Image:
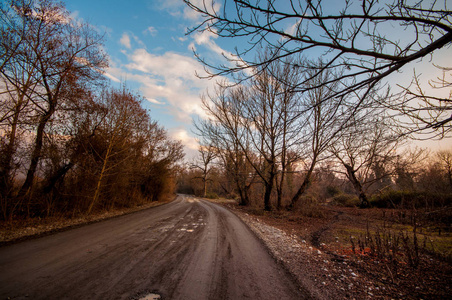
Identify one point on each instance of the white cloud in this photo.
(111, 77)
(178, 8)
(181, 134)
(127, 38)
(206, 38)
(155, 101)
(125, 41)
(169, 78)
(190, 143)
(151, 30)
(292, 29)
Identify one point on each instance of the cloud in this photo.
(181, 134)
(111, 77)
(206, 39)
(151, 30)
(190, 143)
(293, 29)
(178, 8)
(127, 38)
(125, 41)
(169, 78)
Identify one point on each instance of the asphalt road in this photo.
(187, 249)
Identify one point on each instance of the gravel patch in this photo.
(323, 275)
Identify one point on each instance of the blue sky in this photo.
(150, 51)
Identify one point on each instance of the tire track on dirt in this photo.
(187, 249)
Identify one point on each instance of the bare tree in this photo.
(225, 132)
(63, 53)
(424, 110)
(224, 129)
(350, 34)
(322, 123)
(262, 120)
(445, 158)
(360, 149)
(207, 155)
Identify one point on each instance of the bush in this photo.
(346, 200)
(410, 199)
(308, 206)
(333, 190)
(211, 195)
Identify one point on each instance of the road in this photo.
(186, 249)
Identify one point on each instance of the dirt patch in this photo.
(318, 252)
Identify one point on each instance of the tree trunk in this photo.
(7, 157)
(268, 191)
(56, 176)
(243, 193)
(304, 186)
(36, 154)
(204, 181)
(357, 185)
(101, 177)
(280, 188)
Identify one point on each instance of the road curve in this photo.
(187, 249)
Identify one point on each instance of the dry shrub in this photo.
(346, 200)
(309, 206)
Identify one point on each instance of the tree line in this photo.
(314, 101)
(69, 142)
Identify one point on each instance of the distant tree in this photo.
(160, 162)
(407, 167)
(321, 122)
(258, 121)
(207, 155)
(445, 159)
(350, 34)
(363, 148)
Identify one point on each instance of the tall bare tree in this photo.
(351, 34)
(445, 158)
(322, 122)
(262, 120)
(207, 155)
(363, 148)
(62, 53)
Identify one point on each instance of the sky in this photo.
(150, 52)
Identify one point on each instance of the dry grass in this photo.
(15, 230)
(400, 250)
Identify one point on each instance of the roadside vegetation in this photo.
(305, 128)
(71, 145)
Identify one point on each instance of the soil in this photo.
(316, 251)
(186, 249)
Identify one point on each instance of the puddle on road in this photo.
(150, 297)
